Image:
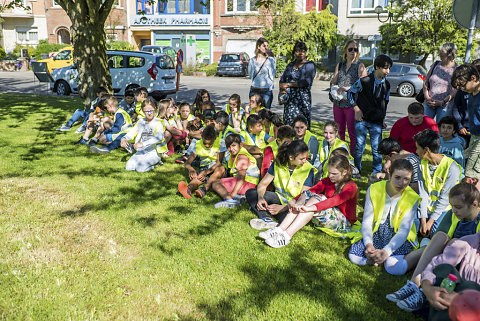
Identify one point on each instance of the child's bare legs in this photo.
(297, 221)
(167, 136)
(215, 177)
(218, 188)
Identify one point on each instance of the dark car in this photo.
(233, 64)
(406, 80)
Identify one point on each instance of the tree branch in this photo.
(105, 10)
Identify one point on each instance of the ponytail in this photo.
(288, 149)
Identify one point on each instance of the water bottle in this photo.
(449, 283)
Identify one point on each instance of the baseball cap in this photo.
(465, 306)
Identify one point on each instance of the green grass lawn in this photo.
(83, 239)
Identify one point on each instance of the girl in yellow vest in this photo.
(244, 171)
(462, 220)
(270, 121)
(300, 124)
(202, 96)
(173, 135)
(257, 103)
(330, 143)
(291, 174)
(210, 150)
(330, 204)
(285, 134)
(388, 233)
(185, 116)
(235, 112)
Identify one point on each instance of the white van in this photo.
(129, 69)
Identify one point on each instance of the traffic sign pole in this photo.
(471, 30)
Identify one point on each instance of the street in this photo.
(220, 89)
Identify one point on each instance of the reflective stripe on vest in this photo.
(408, 199)
(453, 227)
(161, 146)
(253, 173)
(207, 156)
(289, 186)
(126, 124)
(259, 139)
(435, 185)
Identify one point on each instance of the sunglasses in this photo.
(352, 49)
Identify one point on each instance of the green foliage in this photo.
(211, 69)
(6, 5)
(281, 65)
(317, 29)
(120, 45)
(3, 54)
(422, 26)
(17, 51)
(44, 47)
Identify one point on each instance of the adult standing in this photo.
(262, 70)
(347, 72)
(296, 83)
(437, 87)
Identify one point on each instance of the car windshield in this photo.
(421, 70)
(230, 58)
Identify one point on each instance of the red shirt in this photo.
(403, 131)
(345, 201)
(268, 158)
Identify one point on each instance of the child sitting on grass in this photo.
(257, 103)
(243, 170)
(451, 144)
(96, 120)
(221, 124)
(254, 135)
(270, 121)
(128, 103)
(330, 143)
(235, 112)
(147, 133)
(388, 233)
(211, 150)
(141, 93)
(185, 116)
(285, 134)
(331, 204)
(173, 135)
(202, 96)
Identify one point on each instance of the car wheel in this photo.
(406, 89)
(63, 89)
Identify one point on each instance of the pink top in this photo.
(464, 251)
(440, 86)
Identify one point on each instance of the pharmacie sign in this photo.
(171, 20)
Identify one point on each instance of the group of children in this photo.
(290, 178)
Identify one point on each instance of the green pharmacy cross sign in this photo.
(190, 41)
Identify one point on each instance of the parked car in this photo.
(161, 49)
(129, 69)
(233, 64)
(61, 59)
(406, 80)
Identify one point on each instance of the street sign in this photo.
(462, 12)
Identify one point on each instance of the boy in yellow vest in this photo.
(141, 93)
(255, 135)
(210, 150)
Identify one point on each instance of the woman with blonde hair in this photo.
(347, 72)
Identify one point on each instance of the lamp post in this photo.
(378, 11)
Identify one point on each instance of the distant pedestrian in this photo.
(262, 70)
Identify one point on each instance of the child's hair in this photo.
(101, 90)
(236, 98)
(101, 101)
(259, 100)
(111, 100)
(209, 104)
(209, 133)
(270, 116)
(288, 149)
(341, 163)
(388, 146)
(428, 138)
(221, 117)
(332, 124)
(449, 120)
(141, 91)
(476, 64)
(415, 108)
(401, 164)
(198, 99)
(129, 93)
(340, 151)
(285, 131)
(232, 138)
(162, 107)
(382, 61)
(469, 191)
(252, 120)
(300, 118)
(463, 74)
(209, 114)
(185, 104)
(149, 102)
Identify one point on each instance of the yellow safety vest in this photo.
(172, 121)
(378, 193)
(126, 125)
(253, 173)
(139, 110)
(227, 131)
(157, 124)
(271, 130)
(259, 139)
(242, 121)
(289, 186)
(435, 185)
(453, 227)
(256, 112)
(274, 146)
(325, 153)
(207, 156)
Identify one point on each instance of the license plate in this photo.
(230, 68)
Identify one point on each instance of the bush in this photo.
(120, 45)
(17, 51)
(3, 54)
(187, 70)
(281, 65)
(45, 48)
(211, 70)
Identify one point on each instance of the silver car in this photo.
(406, 80)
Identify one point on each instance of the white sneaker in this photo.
(64, 128)
(81, 129)
(270, 233)
(262, 223)
(279, 240)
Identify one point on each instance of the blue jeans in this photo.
(375, 131)
(116, 143)
(77, 115)
(267, 94)
(439, 112)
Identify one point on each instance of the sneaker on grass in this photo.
(64, 128)
(81, 141)
(414, 302)
(201, 192)
(81, 129)
(183, 189)
(130, 148)
(262, 223)
(240, 198)
(279, 240)
(270, 233)
(92, 142)
(230, 203)
(404, 292)
(99, 150)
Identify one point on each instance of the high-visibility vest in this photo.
(259, 139)
(158, 125)
(289, 186)
(230, 116)
(453, 227)
(271, 130)
(435, 185)
(253, 173)
(227, 131)
(126, 124)
(378, 193)
(306, 140)
(139, 110)
(274, 146)
(207, 156)
(253, 112)
(325, 153)
(171, 121)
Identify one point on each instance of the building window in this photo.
(359, 7)
(240, 6)
(365, 48)
(112, 37)
(27, 36)
(144, 7)
(182, 6)
(63, 36)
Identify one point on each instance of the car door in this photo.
(166, 74)
(116, 65)
(62, 59)
(394, 77)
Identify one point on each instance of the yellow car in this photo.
(63, 58)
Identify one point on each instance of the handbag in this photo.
(420, 97)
